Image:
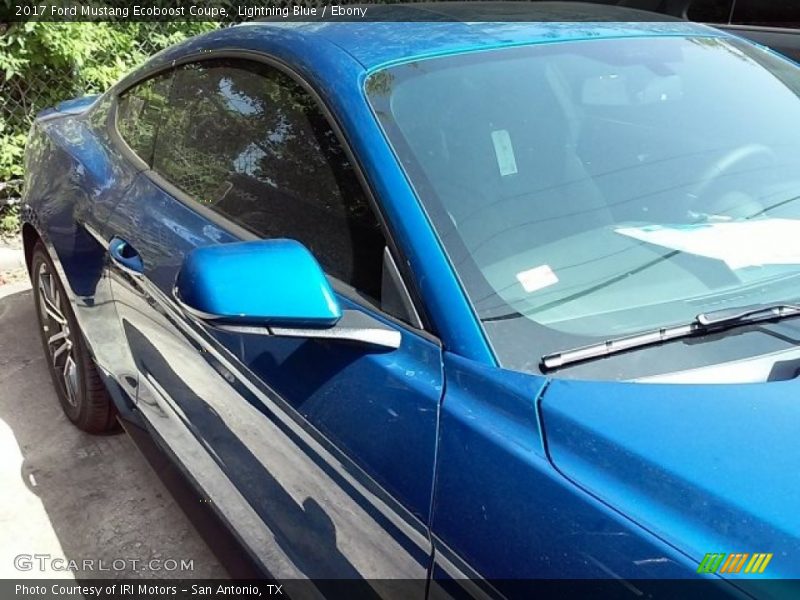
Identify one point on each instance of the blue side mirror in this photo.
(266, 282)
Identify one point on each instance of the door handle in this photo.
(125, 256)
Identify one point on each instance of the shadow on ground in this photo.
(70, 494)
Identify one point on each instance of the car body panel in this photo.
(533, 522)
(75, 179)
(359, 512)
(703, 466)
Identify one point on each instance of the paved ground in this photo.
(12, 260)
(66, 493)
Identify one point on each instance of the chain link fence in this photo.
(28, 90)
(22, 98)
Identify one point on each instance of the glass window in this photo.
(247, 141)
(771, 13)
(138, 113)
(710, 11)
(587, 190)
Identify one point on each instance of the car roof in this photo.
(401, 32)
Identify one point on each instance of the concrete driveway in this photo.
(71, 495)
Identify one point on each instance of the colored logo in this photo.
(733, 563)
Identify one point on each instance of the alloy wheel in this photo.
(57, 332)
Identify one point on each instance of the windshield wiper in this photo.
(717, 320)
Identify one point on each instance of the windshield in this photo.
(587, 190)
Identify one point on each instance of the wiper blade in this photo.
(717, 320)
(755, 312)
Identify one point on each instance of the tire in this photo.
(80, 389)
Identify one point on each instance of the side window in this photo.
(138, 113)
(247, 141)
(771, 13)
(710, 11)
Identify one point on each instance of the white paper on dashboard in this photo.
(738, 243)
(504, 151)
(537, 278)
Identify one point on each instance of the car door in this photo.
(320, 453)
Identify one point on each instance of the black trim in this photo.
(113, 133)
(777, 29)
(428, 331)
(391, 279)
(217, 218)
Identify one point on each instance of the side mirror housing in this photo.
(266, 282)
(271, 287)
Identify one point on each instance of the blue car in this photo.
(460, 305)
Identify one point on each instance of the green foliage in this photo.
(9, 221)
(42, 64)
(12, 144)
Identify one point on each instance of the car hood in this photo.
(708, 468)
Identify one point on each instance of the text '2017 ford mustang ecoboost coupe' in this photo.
(409, 301)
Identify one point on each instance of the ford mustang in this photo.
(467, 304)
